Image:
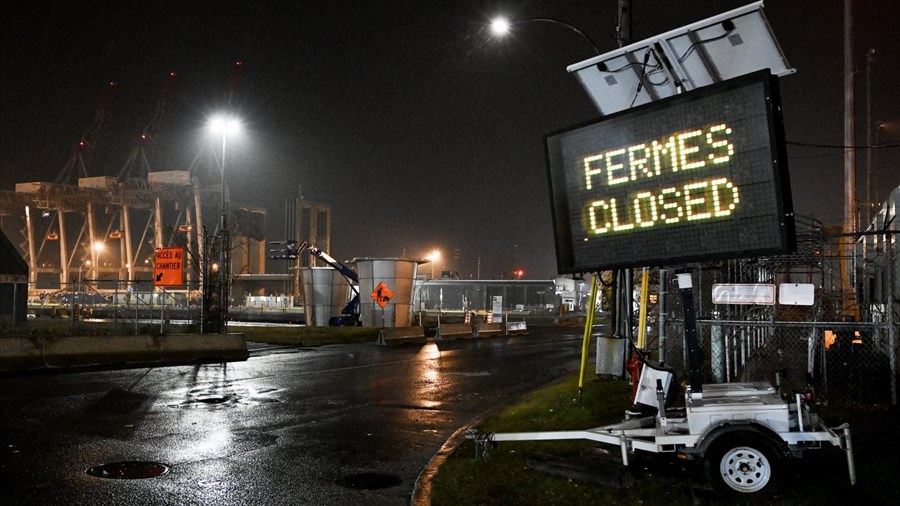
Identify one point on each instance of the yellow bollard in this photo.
(588, 328)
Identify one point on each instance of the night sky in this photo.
(419, 129)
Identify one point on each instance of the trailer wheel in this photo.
(744, 462)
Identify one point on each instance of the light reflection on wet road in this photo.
(292, 425)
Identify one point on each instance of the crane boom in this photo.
(351, 311)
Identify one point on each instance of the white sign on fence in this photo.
(497, 308)
(797, 294)
(744, 293)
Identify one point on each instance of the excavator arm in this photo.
(351, 311)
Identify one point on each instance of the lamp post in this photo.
(224, 125)
(501, 26)
(433, 257)
(97, 249)
(870, 203)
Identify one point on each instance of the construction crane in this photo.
(138, 164)
(85, 154)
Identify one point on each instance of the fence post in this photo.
(892, 330)
(74, 287)
(729, 365)
(715, 348)
(162, 311)
(661, 321)
(136, 287)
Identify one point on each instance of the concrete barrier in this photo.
(448, 331)
(21, 353)
(47, 352)
(76, 351)
(207, 348)
(516, 328)
(488, 329)
(392, 336)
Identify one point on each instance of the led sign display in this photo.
(697, 176)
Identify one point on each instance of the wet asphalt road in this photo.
(340, 424)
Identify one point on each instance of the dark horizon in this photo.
(419, 129)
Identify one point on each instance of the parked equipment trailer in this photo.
(744, 432)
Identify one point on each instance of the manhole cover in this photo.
(133, 470)
(369, 481)
(224, 396)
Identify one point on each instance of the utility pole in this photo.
(870, 203)
(623, 26)
(620, 314)
(846, 248)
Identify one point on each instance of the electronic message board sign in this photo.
(694, 177)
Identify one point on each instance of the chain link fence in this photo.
(130, 306)
(844, 344)
(845, 363)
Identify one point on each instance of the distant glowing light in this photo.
(98, 246)
(225, 124)
(500, 26)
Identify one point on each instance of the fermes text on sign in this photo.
(698, 176)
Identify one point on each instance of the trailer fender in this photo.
(730, 427)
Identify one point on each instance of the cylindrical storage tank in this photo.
(398, 275)
(324, 294)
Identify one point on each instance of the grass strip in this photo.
(506, 477)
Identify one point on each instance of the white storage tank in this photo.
(398, 275)
(325, 293)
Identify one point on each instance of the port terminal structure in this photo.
(104, 230)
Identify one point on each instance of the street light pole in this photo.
(224, 256)
(870, 203)
(224, 125)
(434, 256)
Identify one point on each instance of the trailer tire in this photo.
(745, 462)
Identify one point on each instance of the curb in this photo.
(421, 494)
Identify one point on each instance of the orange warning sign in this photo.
(382, 294)
(169, 267)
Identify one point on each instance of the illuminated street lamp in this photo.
(224, 125)
(501, 26)
(97, 247)
(433, 257)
